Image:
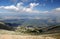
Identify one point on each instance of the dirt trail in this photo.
(24, 37)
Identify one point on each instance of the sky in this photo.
(12, 9)
(29, 6)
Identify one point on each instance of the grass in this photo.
(18, 35)
(7, 32)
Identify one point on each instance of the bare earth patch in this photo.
(25, 37)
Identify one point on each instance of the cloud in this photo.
(19, 4)
(21, 9)
(12, 7)
(32, 5)
(30, 8)
(55, 11)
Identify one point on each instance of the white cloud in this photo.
(30, 9)
(56, 10)
(12, 7)
(32, 5)
(20, 8)
(19, 4)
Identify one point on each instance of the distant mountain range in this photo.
(31, 22)
(25, 19)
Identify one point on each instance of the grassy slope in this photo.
(18, 35)
(57, 35)
(4, 34)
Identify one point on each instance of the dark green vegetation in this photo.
(39, 30)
